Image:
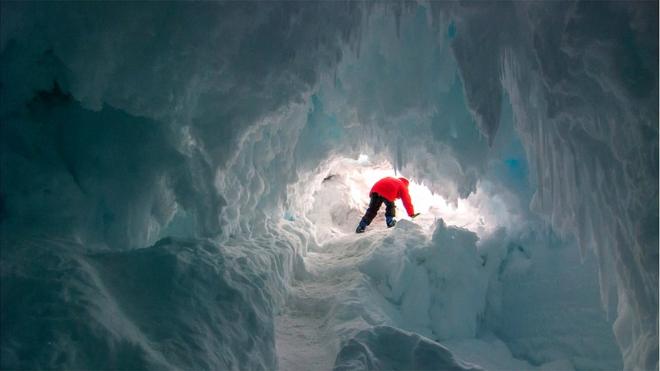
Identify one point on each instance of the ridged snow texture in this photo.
(123, 123)
(171, 305)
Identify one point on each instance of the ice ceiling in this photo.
(168, 169)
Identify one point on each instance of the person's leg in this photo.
(390, 213)
(372, 210)
(370, 214)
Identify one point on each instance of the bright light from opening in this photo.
(335, 198)
(363, 174)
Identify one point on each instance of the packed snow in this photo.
(449, 285)
(181, 184)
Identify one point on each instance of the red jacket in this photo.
(393, 188)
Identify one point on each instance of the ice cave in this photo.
(181, 184)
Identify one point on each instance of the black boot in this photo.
(361, 227)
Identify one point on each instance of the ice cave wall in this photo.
(106, 140)
(125, 123)
(597, 167)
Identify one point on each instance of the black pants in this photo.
(374, 206)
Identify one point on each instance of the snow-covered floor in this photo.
(303, 342)
(335, 300)
(305, 338)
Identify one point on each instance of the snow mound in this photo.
(389, 348)
(439, 284)
(173, 305)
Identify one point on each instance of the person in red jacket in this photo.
(386, 191)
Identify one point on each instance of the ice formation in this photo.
(181, 181)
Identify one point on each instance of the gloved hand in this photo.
(414, 215)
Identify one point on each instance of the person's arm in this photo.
(405, 198)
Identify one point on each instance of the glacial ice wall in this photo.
(126, 123)
(109, 145)
(583, 84)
